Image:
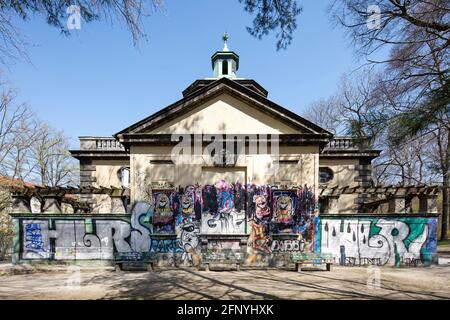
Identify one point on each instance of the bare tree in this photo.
(53, 164)
(30, 149)
(17, 132)
(326, 113)
(408, 163)
(416, 35)
(359, 108)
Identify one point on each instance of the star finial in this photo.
(225, 38)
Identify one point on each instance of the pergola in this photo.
(369, 199)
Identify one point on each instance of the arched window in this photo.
(124, 176)
(325, 175)
(224, 67)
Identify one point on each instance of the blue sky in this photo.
(96, 83)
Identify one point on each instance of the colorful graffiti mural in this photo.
(276, 223)
(379, 241)
(164, 211)
(223, 210)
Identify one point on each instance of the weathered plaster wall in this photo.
(106, 172)
(103, 173)
(151, 165)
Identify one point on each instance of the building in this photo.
(140, 156)
(225, 176)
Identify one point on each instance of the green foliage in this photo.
(272, 15)
(421, 118)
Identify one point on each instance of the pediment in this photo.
(224, 106)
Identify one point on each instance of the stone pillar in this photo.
(333, 204)
(52, 204)
(117, 205)
(428, 203)
(397, 204)
(21, 204)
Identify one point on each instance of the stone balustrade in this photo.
(100, 143)
(347, 143)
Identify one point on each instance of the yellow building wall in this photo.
(301, 169)
(225, 114)
(106, 176)
(344, 174)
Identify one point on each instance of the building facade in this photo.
(223, 175)
(292, 150)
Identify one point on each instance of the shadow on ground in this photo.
(185, 283)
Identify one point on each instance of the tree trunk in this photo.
(445, 189)
(445, 208)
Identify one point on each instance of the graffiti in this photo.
(33, 238)
(35, 205)
(223, 250)
(305, 211)
(351, 241)
(262, 210)
(186, 203)
(142, 226)
(163, 215)
(189, 244)
(164, 246)
(281, 222)
(288, 245)
(223, 208)
(373, 241)
(284, 209)
(260, 241)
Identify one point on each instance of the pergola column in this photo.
(52, 204)
(397, 204)
(117, 205)
(21, 204)
(428, 203)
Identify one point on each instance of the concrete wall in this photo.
(369, 240)
(231, 222)
(379, 240)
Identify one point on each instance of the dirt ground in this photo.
(340, 283)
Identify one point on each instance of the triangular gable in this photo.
(237, 100)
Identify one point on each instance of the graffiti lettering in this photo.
(288, 245)
(379, 241)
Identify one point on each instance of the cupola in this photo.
(225, 63)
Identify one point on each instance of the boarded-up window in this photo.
(162, 171)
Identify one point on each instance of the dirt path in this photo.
(341, 283)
